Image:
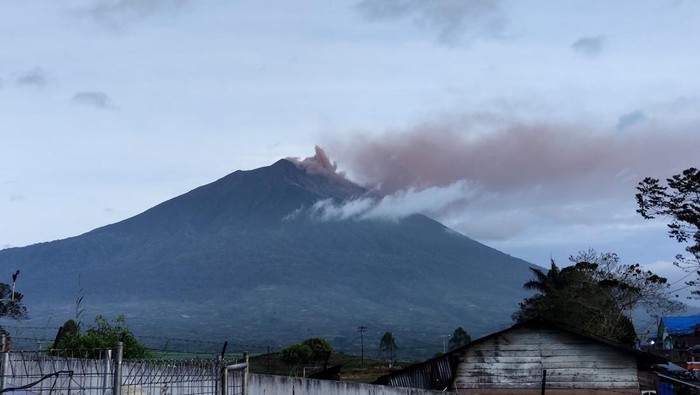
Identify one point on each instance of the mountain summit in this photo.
(244, 258)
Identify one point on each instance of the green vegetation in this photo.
(596, 294)
(459, 338)
(296, 354)
(321, 349)
(313, 350)
(678, 200)
(101, 335)
(11, 305)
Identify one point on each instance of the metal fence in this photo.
(102, 372)
(236, 378)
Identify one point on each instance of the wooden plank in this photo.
(589, 354)
(510, 369)
(552, 360)
(574, 386)
(554, 376)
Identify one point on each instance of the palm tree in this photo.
(387, 345)
(546, 283)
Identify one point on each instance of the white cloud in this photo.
(433, 201)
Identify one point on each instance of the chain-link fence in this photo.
(102, 372)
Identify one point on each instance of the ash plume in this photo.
(317, 164)
(507, 157)
(493, 179)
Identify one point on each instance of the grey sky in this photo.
(94, 99)
(589, 46)
(506, 133)
(453, 21)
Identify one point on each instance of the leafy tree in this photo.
(321, 349)
(101, 335)
(459, 338)
(387, 345)
(11, 305)
(296, 354)
(678, 200)
(597, 294)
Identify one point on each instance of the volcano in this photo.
(244, 258)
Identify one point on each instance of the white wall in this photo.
(259, 384)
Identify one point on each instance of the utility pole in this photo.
(362, 329)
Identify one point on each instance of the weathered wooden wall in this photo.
(515, 361)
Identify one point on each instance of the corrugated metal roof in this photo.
(681, 325)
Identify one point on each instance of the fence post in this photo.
(117, 384)
(244, 376)
(223, 382)
(107, 371)
(4, 363)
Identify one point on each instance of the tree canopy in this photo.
(597, 294)
(321, 349)
(101, 335)
(678, 200)
(312, 350)
(11, 305)
(295, 354)
(459, 338)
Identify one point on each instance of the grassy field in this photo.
(352, 367)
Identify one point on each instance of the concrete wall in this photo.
(259, 384)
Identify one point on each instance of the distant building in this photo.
(679, 332)
(678, 339)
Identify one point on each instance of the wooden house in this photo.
(535, 357)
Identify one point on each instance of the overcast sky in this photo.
(523, 124)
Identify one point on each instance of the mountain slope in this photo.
(231, 260)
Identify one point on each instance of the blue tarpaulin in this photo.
(676, 326)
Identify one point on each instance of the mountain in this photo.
(245, 258)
